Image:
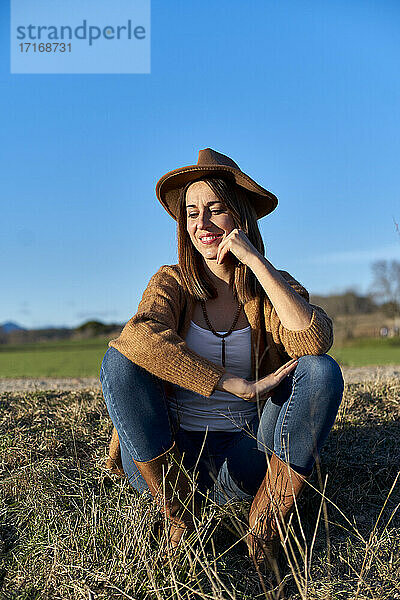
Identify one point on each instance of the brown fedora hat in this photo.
(211, 162)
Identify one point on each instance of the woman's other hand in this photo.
(260, 390)
(255, 390)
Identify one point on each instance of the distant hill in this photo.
(17, 335)
(10, 326)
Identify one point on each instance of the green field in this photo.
(368, 351)
(82, 358)
(66, 358)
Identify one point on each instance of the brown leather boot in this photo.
(173, 492)
(114, 462)
(270, 511)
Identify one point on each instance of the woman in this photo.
(223, 369)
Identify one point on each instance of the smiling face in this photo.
(208, 220)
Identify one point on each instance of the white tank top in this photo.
(221, 411)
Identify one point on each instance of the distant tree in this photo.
(347, 303)
(353, 304)
(386, 285)
(92, 328)
(96, 328)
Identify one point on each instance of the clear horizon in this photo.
(303, 96)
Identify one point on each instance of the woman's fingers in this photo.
(271, 381)
(285, 371)
(286, 366)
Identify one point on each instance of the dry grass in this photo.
(68, 531)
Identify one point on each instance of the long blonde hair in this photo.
(195, 280)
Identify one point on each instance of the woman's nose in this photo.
(203, 220)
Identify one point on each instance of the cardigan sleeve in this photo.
(150, 339)
(316, 338)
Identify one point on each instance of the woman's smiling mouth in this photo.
(210, 239)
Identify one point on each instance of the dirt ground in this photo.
(351, 375)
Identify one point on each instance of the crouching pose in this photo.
(223, 369)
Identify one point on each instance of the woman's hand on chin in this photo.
(239, 245)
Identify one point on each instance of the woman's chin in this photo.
(210, 254)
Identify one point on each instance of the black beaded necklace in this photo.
(221, 335)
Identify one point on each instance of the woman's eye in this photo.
(213, 212)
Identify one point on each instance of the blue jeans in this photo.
(294, 424)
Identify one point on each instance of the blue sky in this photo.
(303, 95)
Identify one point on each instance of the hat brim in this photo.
(168, 188)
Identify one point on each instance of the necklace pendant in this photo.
(223, 352)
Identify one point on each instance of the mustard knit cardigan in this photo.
(154, 338)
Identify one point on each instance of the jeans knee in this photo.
(108, 363)
(115, 367)
(323, 369)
